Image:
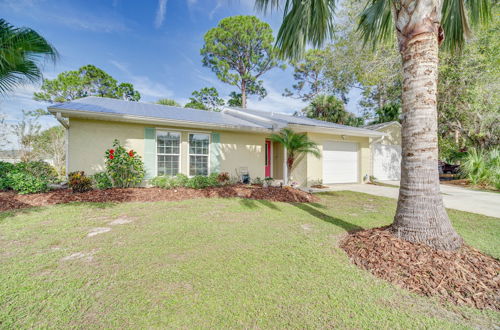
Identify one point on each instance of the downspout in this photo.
(61, 120)
(65, 124)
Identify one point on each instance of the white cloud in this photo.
(276, 102)
(160, 13)
(144, 84)
(62, 14)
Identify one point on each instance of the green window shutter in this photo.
(150, 152)
(215, 153)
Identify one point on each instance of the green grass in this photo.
(219, 263)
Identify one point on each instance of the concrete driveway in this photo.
(458, 198)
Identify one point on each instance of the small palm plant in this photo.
(297, 146)
(21, 52)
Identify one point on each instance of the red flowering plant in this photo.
(125, 168)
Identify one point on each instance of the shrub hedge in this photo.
(195, 182)
(27, 177)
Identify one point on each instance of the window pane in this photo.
(198, 165)
(168, 149)
(198, 144)
(168, 143)
(168, 165)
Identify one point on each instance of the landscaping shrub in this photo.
(482, 167)
(257, 180)
(180, 180)
(160, 181)
(102, 181)
(79, 182)
(223, 178)
(213, 180)
(493, 168)
(198, 182)
(27, 177)
(5, 169)
(169, 182)
(125, 168)
(25, 183)
(39, 169)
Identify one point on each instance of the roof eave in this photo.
(340, 131)
(149, 120)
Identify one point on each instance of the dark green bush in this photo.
(5, 168)
(39, 169)
(161, 181)
(27, 177)
(213, 180)
(102, 181)
(200, 181)
(79, 182)
(181, 180)
(25, 183)
(169, 182)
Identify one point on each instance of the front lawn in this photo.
(215, 263)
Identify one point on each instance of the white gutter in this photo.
(150, 120)
(337, 131)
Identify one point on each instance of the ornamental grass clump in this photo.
(125, 168)
(482, 167)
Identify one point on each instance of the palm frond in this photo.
(22, 52)
(304, 21)
(376, 23)
(458, 16)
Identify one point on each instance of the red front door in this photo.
(268, 158)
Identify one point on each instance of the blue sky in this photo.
(153, 44)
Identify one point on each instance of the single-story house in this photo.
(386, 151)
(175, 140)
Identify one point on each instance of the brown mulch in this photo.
(464, 277)
(467, 184)
(10, 200)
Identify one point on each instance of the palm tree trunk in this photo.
(420, 215)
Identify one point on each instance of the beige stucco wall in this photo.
(314, 169)
(88, 140)
(393, 137)
(243, 150)
(278, 159)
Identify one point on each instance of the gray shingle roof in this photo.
(298, 120)
(375, 127)
(121, 107)
(237, 118)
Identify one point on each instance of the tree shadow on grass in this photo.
(28, 209)
(255, 203)
(347, 226)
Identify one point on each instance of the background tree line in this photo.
(240, 50)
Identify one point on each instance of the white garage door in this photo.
(386, 162)
(340, 162)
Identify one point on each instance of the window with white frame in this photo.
(168, 152)
(198, 153)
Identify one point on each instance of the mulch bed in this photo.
(466, 184)
(464, 277)
(10, 200)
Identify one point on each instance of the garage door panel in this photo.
(386, 162)
(340, 162)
